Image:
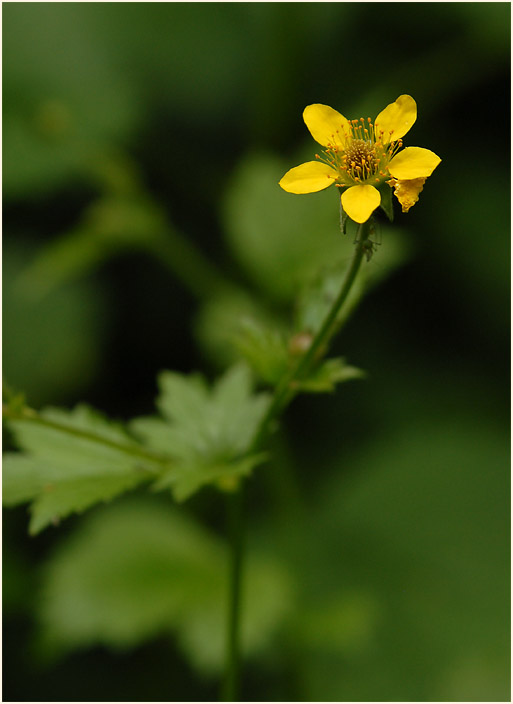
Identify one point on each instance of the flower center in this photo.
(360, 160)
(364, 157)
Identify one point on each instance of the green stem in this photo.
(230, 691)
(285, 390)
(284, 393)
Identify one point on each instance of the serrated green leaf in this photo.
(139, 570)
(58, 501)
(161, 436)
(328, 375)
(235, 411)
(22, 478)
(69, 461)
(81, 435)
(72, 460)
(186, 479)
(207, 432)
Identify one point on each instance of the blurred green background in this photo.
(142, 146)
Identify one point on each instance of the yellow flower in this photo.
(359, 156)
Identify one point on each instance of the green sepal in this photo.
(386, 201)
(344, 217)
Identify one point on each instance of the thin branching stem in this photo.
(285, 389)
(284, 393)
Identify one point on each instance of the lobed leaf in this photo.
(207, 432)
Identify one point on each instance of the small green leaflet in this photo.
(330, 373)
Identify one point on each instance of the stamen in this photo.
(359, 152)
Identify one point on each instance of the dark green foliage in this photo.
(140, 570)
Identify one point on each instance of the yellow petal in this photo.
(327, 126)
(308, 178)
(413, 162)
(360, 202)
(407, 192)
(396, 119)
